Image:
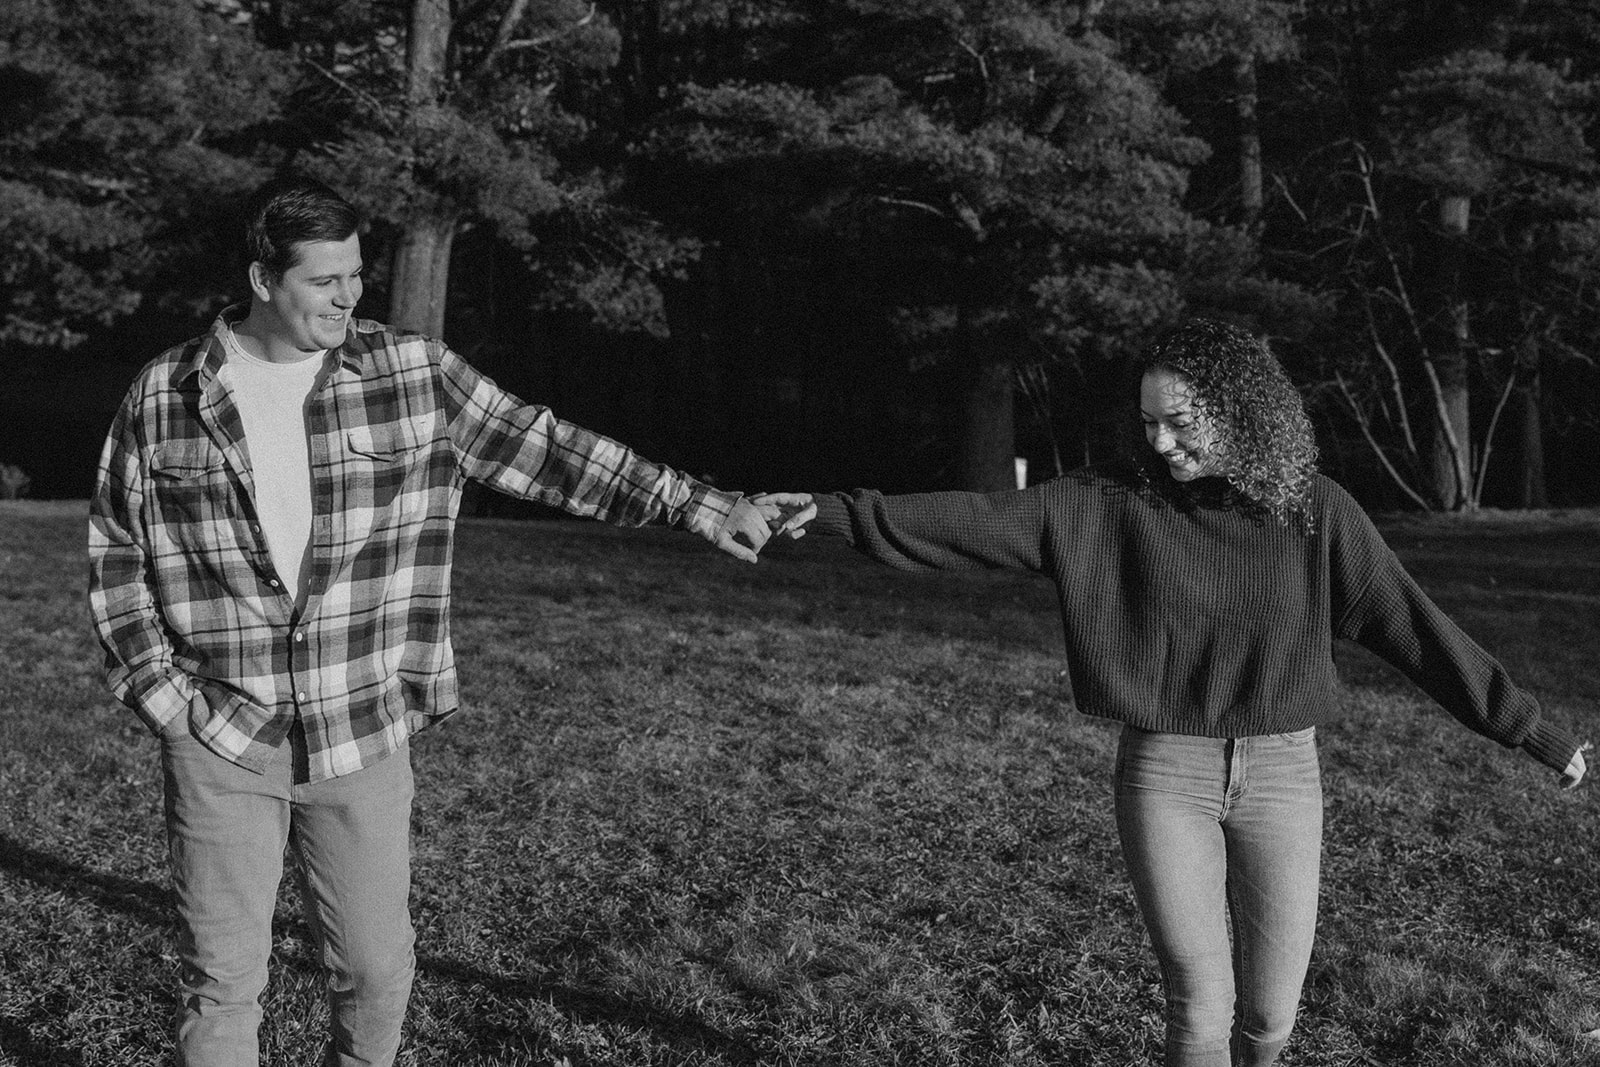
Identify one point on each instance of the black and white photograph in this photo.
(799, 533)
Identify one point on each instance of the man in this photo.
(270, 543)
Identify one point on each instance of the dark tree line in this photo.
(822, 242)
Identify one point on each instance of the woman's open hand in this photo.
(1577, 768)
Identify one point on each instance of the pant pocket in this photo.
(1191, 767)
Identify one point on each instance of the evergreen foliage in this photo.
(915, 236)
(123, 127)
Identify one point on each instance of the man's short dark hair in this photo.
(287, 212)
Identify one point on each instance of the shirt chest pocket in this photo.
(185, 461)
(386, 465)
(398, 442)
(189, 480)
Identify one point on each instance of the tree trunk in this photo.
(422, 255)
(639, 68)
(986, 456)
(1452, 440)
(1245, 99)
(427, 51)
(1451, 478)
(422, 274)
(1533, 492)
(986, 463)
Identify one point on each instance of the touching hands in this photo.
(755, 520)
(786, 513)
(1576, 768)
(744, 532)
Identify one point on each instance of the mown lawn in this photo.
(818, 812)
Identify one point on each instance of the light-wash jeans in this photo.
(1219, 834)
(226, 833)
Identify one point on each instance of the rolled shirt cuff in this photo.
(159, 700)
(708, 509)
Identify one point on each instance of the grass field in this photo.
(818, 812)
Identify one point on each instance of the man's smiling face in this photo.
(309, 308)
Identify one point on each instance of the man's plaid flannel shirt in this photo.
(197, 628)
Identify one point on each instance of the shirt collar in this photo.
(211, 352)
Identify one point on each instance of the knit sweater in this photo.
(1186, 612)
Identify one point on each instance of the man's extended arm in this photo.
(525, 451)
(126, 616)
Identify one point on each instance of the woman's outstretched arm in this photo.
(1380, 606)
(932, 531)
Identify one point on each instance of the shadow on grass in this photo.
(19, 1045)
(145, 901)
(151, 904)
(681, 1032)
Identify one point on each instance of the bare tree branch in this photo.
(1488, 439)
(969, 217)
(1283, 187)
(580, 24)
(1377, 449)
(1414, 321)
(983, 64)
(509, 21)
(1401, 293)
(918, 205)
(508, 24)
(1446, 427)
(90, 181)
(356, 91)
(1395, 385)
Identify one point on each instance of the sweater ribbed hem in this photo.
(1550, 744)
(832, 518)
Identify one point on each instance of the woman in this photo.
(1202, 583)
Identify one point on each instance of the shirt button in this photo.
(273, 582)
(299, 637)
(301, 697)
(255, 527)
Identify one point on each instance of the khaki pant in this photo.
(227, 829)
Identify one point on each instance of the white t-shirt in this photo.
(271, 398)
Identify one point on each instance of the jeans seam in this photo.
(1233, 785)
(1241, 969)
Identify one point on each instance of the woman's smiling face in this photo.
(1176, 426)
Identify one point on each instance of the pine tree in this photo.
(126, 130)
(1016, 187)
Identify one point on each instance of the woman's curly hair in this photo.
(1266, 448)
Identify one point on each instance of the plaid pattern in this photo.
(188, 605)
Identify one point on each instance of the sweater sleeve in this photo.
(1381, 607)
(940, 531)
